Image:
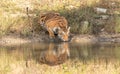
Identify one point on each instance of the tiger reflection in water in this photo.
(56, 54)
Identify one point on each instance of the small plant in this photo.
(117, 21)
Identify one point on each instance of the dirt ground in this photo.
(14, 40)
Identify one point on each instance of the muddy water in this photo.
(59, 53)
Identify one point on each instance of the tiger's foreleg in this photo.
(51, 34)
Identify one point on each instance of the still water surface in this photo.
(59, 53)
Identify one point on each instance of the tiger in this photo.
(55, 54)
(55, 25)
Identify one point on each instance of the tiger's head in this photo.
(64, 35)
(47, 16)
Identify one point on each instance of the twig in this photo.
(29, 21)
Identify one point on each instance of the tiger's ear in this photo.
(43, 15)
(42, 18)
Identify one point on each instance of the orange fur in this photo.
(53, 57)
(54, 23)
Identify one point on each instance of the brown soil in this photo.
(14, 40)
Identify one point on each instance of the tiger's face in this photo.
(64, 35)
(42, 20)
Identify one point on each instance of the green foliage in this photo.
(13, 15)
(117, 28)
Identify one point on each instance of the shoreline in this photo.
(15, 40)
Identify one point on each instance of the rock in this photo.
(84, 39)
(104, 17)
(100, 10)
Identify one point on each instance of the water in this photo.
(59, 53)
(71, 58)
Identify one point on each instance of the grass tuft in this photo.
(14, 19)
